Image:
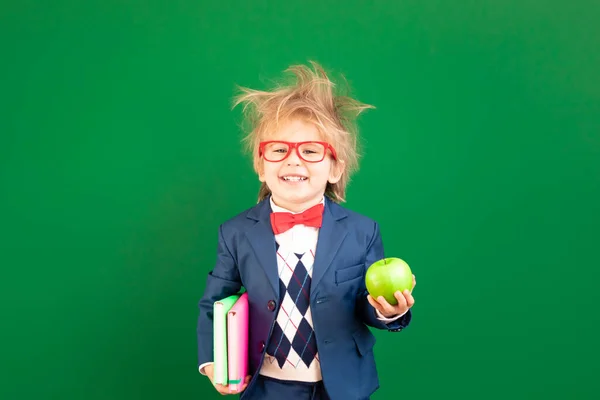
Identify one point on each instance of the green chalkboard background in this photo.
(120, 156)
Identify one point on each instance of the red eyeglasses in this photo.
(311, 151)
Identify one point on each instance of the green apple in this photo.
(386, 276)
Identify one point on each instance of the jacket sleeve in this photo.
(365, 310)
(223, 281)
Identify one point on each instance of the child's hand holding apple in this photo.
(390, 283)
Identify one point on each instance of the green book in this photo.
(220, 310)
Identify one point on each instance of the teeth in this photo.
(294, 178)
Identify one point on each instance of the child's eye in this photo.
(281, 150)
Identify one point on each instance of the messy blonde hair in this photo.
(313, 98)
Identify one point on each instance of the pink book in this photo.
(237, 342)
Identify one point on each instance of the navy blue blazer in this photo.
(348, 244)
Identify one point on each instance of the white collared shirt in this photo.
(299, 237)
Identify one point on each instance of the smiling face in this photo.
(296, 184)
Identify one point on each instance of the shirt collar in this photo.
(276, 208)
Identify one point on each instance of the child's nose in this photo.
(293, 159)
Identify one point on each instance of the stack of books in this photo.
(230, 319)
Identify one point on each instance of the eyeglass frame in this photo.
(296, 145)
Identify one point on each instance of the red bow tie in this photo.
(282, 221)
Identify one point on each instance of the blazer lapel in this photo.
(262, 240)
(331, 236)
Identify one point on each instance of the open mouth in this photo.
(293, 178)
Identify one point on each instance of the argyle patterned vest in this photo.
(293, 342)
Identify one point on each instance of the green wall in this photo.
(120, 156)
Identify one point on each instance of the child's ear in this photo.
(336, 172)
(261, 173)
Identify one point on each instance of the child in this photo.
(300, 255)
